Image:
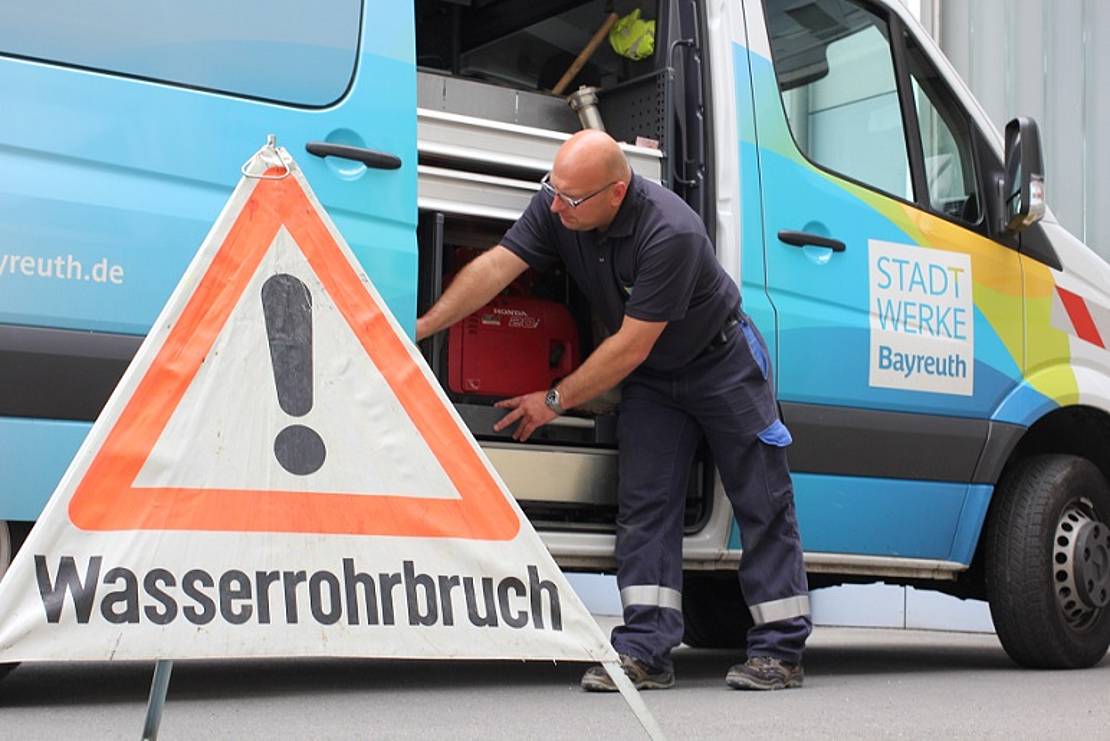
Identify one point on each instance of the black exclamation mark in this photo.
(287, 306)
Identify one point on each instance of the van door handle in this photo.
(369, 157)
(803, 239)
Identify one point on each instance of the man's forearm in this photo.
(466, 294)
(605, 368)
(472, 288)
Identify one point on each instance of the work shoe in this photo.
(765, 673)
(643, 677)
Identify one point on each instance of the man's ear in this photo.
(618, 190)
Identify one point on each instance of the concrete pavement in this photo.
(861, 683)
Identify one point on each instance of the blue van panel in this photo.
(971, 522)
(34, 454)
(1026, 404)
(139, 252)
(114, 182)
(875, 517)
(836, 326)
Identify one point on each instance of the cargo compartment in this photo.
(487, 131)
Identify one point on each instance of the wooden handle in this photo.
(584, 55)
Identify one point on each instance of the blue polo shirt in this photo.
(654, 263)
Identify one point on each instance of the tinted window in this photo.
(835, 70)
(287, 50)
(945, 142)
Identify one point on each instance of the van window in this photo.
(284, 50)
(945, 142)
(835, 70)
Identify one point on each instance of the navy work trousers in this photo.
(724, 394)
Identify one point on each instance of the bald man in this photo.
(689, 364)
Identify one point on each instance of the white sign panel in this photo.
(280, 474)
(922, 319)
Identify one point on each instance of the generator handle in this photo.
(580, 423)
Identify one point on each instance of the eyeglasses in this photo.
(545, 183)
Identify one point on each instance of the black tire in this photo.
(714, 612)
(1044, 506)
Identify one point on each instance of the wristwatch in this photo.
(552, 401)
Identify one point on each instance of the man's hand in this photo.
(530, 409)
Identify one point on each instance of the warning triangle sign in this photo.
(280, 474)
(283, 315)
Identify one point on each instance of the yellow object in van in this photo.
(632, 37)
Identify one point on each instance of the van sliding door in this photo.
(120, 143)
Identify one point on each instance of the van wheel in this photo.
(1047, 553)
(714, 612)
(12, 535)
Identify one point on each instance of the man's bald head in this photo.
(590, 166)
(592, 152)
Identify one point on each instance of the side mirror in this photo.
(1023, 187)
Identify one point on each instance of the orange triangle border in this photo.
(105, 498)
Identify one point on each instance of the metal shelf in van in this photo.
(472, 194)
(458, 139)
(438, 91)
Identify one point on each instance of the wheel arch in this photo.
(1079, 429)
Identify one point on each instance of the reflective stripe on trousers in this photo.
(780, 609)
(651, 595)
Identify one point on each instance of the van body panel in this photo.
(827, 313)
(98, 221)
(151, 164)
(1068, 322)
(875, 517)
(1027, 403)
(970, 527)
(34, 453)
(950, 520)
(823, 300)
(1030, 356)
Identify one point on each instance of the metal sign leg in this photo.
(158, 688)
(635, 702)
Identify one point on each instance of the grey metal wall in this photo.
(1049, 59)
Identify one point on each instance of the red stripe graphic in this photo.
(1080, 316)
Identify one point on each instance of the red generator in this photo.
(513, 345)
